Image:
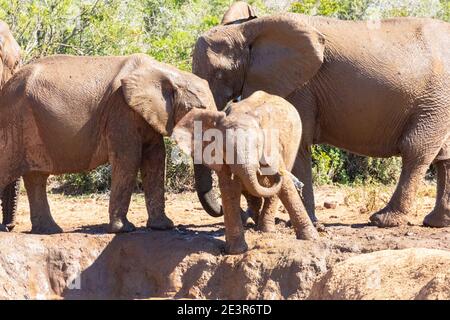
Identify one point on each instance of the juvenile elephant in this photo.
(65, 114)
(10, 60)
(254, 148)
(379, 90)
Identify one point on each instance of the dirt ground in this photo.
(188, 262)
(354, 205)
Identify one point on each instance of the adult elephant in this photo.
(376, 90)
(10, 61)
(67, 114)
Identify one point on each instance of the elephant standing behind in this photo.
(67, 114)
(379, 91)
(255, 146)
(10, 61)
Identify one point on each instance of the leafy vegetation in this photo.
(167, 30)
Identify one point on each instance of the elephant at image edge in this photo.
(10, 61)
(258, 116)
(375, 91)
(66, 114)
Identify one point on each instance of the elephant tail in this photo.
(9, 199)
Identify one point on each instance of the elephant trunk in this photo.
(9, 199)
(204, 187)
(249, 178)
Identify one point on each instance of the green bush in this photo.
(179, 169)
(98, 180)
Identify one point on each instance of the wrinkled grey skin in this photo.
(379, 92)
(67, 114)
(10, 61)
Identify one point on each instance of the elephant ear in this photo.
(9, 53)
(239, 12)
(150, 93)
(285, 53)
(2, 41)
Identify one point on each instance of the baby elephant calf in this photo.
(254, 147)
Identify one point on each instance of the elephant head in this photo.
(162, 95)
(238, 143)
(238, 12)
(9, 54)
(276, 54)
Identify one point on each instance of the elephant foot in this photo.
(160, 222)
(236, 247)
(319, 226)
(437, 219)
(308, 233)
(10, 227)
(121, 226)
(245, 215)
(313, 218)
(387, 218)
(266, 226)
(3, 228)
(50, 228)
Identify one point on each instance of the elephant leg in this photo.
(303, 226)
(266, 221)
(125, 156)
(10, 197)
(254, 207)
(440, 216)
(418, 148)
(41, 219)
(230, 188)
(303, 171)
(123, 180)
(153, 178)
(396, 211)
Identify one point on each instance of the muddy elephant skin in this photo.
(10, 57)
(378, 90)
(66, 114)
(276, 128)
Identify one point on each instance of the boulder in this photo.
(413, 273)
(156, 264)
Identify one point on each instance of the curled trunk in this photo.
(204, 187)
(250, 181)
(10, 198)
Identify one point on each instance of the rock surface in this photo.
(186, 264)
(153, 264)
(389, 274)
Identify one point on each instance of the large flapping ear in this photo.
(285, 53)
(196, 121)
(238, 12)
(150, 93)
